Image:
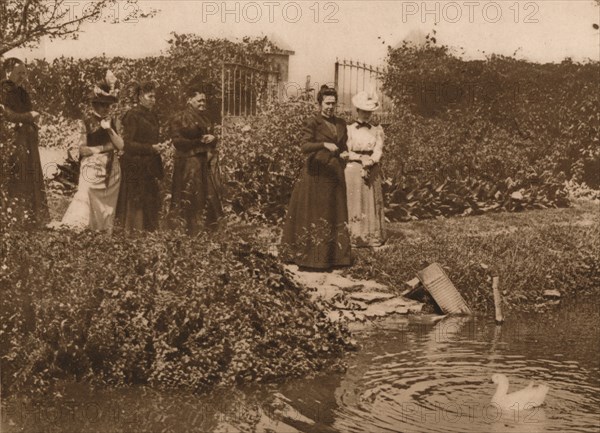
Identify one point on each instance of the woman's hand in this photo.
(208, 138)
(105, 124)
(86, 151)
(368, 162)
(330, 147)
(345, 155)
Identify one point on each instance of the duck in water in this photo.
(527, 398)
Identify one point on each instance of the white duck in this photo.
(526, 398)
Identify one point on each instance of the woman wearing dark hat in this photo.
(94, 204)
(141, 165)
(195, 196)
(315, 235)
(363, 175)
(26, 184)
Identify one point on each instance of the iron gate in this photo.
(245, 89)
(352, 77)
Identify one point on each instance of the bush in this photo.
(472, 197)
(262, 160)
(490, 119)
(161, 309)
(63, 87)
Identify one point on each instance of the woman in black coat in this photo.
(26, 183)
(316, 235)
(139, 202)
(195, 197)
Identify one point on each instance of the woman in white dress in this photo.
(94, 203)
(363, 175)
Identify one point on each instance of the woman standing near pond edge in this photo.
(363, 175)
(138, 206)
(315, 233)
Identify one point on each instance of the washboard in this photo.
(442, 290)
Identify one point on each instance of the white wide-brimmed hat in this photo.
(366, 101)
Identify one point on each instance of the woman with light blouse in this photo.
(363, 175)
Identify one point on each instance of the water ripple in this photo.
(443, 385)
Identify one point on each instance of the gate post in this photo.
(337, 75)
(222, 96)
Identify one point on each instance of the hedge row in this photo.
(163, 309)
(491, 119)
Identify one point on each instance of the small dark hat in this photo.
(106, 92)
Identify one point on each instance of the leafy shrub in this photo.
(490, 119)
(472, 197)
(58, 131)
(64, 86)
(581, 191)
(162, 309)
(262, 160)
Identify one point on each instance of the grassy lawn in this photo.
(531, 251)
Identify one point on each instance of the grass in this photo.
(531, 252)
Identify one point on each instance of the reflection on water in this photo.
(411, 375)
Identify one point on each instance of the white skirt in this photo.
(95, 202)
(365, 206)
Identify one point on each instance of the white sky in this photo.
(541, 31)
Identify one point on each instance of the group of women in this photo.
(337, 203)
(114, 190)
(127, 189)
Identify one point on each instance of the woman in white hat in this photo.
(363, 175)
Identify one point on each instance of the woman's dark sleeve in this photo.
(11, 116)
(343, 145)
(184, 144)
(309, 144)
(10, 100)
(130, 125)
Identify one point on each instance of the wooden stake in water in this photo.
(497, 299)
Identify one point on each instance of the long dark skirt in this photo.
(316, 233)
(195, 199)
(138, 206)
(26, 182)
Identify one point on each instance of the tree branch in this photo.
(25, 22)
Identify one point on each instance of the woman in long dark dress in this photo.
(195, 196)
(138, 206)
(26, 183)
(316, 234)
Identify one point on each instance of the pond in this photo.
(412, 374)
